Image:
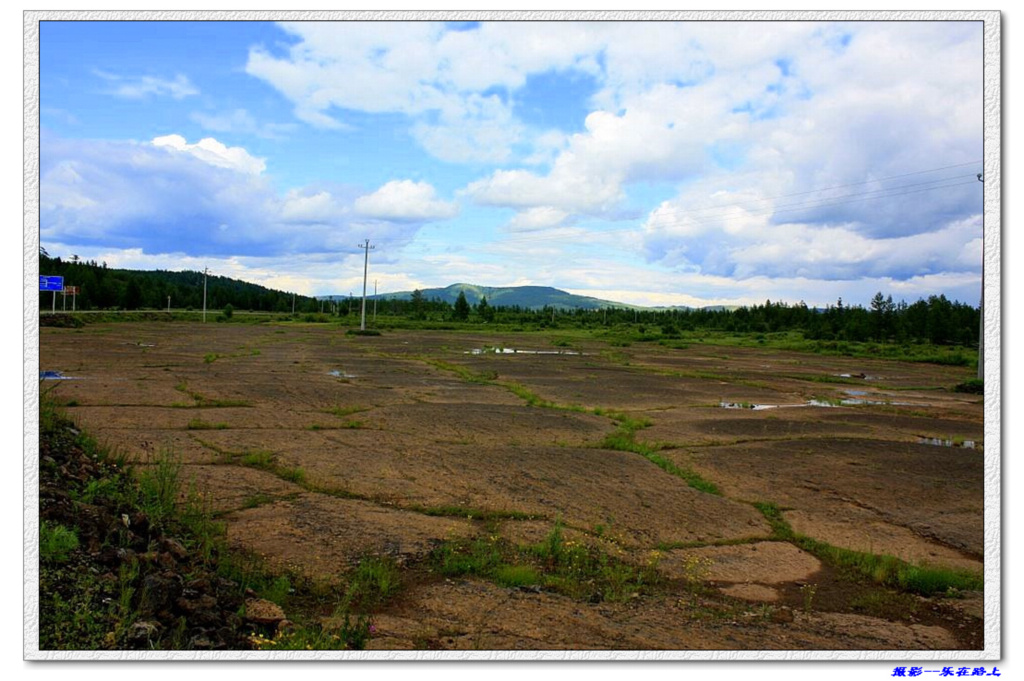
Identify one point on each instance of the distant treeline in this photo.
(936, 319)
(103, 288)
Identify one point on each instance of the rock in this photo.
(174, 547)
(160, 591)
(782, 615)
(143, 631)
(262, 611)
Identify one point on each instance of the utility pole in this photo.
(981, 305)
(168, 303)
(374, 301)
(205, 272)
(293, 304)
(366, 264)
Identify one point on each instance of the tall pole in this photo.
(293, 303)
(374, 301)
(981, 305)
(168, 303)
(205, 270)
(366, 264)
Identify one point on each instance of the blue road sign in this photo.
(51, 283)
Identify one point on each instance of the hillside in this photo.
(529, 297)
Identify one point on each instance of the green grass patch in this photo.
(342, 412)
(471, 513)
(511, 576)
(974, 386)
(56, 542)
(199, 424)
(882, 569)
(374, 582)
(623, 439)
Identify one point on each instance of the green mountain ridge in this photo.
(529, 297)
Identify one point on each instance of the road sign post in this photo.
(51, 284)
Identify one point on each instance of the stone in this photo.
(262, 611)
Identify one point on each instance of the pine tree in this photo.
(462, 307)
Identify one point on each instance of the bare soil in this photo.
(317, 449)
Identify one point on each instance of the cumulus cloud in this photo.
(539, 217)
(215, 153)
(405, 201)
(199, 199)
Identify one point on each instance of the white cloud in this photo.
(140, 87)
(139, 196)
(215, 153)
(240, 121)
(405, 201)
(539, 217)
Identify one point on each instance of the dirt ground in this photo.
(318, 448)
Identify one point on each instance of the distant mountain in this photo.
(531, 297)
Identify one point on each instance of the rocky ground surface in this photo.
(317, 450)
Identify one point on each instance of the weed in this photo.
(296, 475)
(374, 581)
(211, 357)
(808, 592)
(516, 575)
(56, 542)
(258, 459)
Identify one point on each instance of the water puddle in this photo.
(514, 351)
(826, 404)
(338, 373)
(861, 376)
(55, 376)
(940, 442)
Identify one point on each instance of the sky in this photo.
(651, 163)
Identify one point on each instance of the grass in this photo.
(623, 439)
(581, 572)
(88, 607)
(883, 569)
(471, 513)
(373, 583)
(199, 424)
(342, 412)
(56, 542)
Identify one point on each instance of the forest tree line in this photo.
(935, 319)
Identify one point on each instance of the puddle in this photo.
(513, 351)
(861, 376)
(337, 373)
(55, 376)
(754, 407)
(939, 442)
(856, 392)
(848, 402)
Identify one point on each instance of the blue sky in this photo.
(653, 163)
